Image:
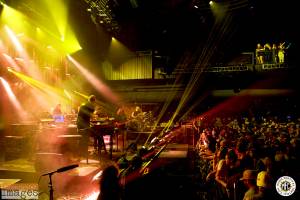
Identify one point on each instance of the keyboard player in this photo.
(84, 116)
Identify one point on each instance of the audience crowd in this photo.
(243, 157)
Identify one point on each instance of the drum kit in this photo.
(142, 122)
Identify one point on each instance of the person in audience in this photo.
(245, 161)
(252, 152)
(227, 175)
(110, 187)
(264, 183)
(271, 144)
(218, 155)
(281, 161)
(210, 148)
(249, 179)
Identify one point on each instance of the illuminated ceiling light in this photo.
(211, 2)
(219, 10)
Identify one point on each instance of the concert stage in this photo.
(32, 152)
(79, 182)
(28, 167)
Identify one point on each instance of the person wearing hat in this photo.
(249, 179)
(264, 184)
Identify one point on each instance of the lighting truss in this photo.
(102, 14)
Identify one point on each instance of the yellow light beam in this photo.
(55, 93)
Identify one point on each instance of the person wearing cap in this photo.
(249, 179)
(264, 184)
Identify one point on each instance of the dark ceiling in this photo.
(172, 28)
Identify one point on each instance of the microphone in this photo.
(66, 168)
(62, 169)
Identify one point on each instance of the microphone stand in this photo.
(50, 185)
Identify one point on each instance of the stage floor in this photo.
(75, 183)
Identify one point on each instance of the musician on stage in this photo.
(137, 119)
(121, 120)
(121, 115)
(85, 113)
(57, 110)
(137, 112)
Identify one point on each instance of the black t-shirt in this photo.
(84, 115)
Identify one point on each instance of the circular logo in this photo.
(285, 186)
